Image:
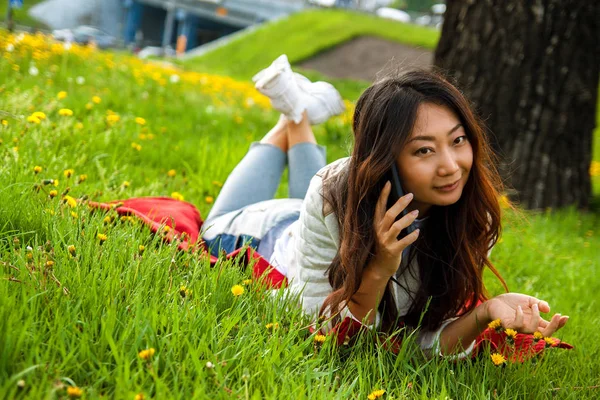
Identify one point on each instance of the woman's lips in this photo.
(448, 188)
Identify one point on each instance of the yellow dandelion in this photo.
(171, 173)
(89, 106)
(102, 237)
(511, 333)
(39, 115)
(125, 184)
(495, 324)
(140, 121)
(112, 118)
(537, 335)
(549, 341)
(74, 392)
(209, 199)
(52, 193)
(81, 178)
(139, 396)
(498, 359)
(74, 214)
(33, 119)
(177, 196)
(247, 281)
(65, 112)
(375, 394)
(96, 99)
(68, 173)
(70, 201)
(37, 169)
(49, 264)
(146, 354)
(184, 291)
(55, 182)
(71, 249)
(61, 95)
(504, 201)
(595, 168)
(237, 290)
(79, 125)
(4, 122)
(107, 220)
(272, 325)
(166, 229)
(320, 338)
(136, 146)
(141, 248)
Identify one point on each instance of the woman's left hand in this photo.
(522, 313)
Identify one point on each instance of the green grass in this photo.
(83, 320)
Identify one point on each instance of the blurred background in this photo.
(152, 25)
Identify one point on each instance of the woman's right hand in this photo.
(388, 249)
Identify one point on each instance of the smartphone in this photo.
(395, 194)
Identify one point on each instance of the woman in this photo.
(336, 239)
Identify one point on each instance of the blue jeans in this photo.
(238, 216)
(256, 177)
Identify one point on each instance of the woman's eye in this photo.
(423, 151)
(461, 139)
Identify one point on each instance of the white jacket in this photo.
(308, 246)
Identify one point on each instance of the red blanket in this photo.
(185, 223)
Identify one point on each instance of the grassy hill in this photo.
(303, 35)
(84, 305)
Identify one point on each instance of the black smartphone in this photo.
(395, 194)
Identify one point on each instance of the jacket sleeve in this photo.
(315, 246)
(429, 341)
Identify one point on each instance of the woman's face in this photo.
(435, 163)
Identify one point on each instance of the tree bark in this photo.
(531, 68)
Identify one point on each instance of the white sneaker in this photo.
(280, 62)
(277, 82)
(321, 99)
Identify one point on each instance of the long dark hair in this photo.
(452, 249)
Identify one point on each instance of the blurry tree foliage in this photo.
(423, 6)
(420, 5)
(531, 67)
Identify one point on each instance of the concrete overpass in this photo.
(185, 17)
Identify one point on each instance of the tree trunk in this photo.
(531, 69)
